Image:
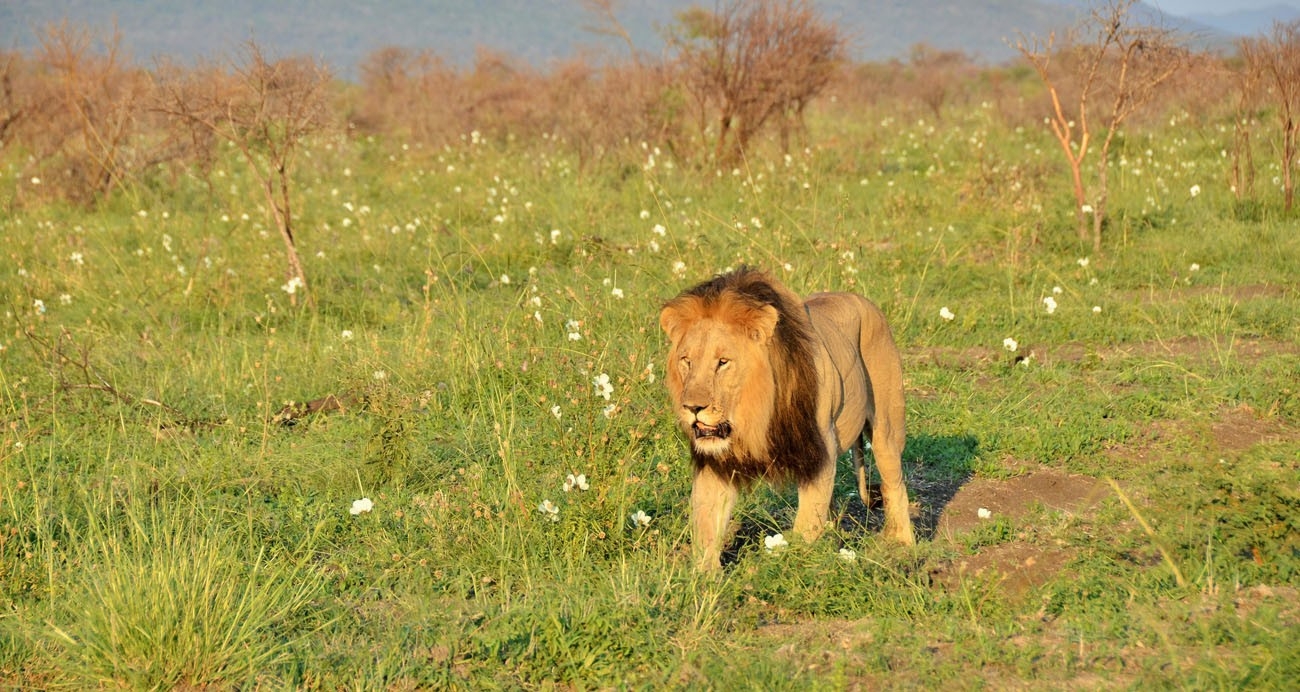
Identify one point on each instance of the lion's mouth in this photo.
(721, 431)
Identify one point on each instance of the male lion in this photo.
(767, 386)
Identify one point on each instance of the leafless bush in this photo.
(79, 114)
(418, 95)
(750, 62)
(597, 110)
(938, 77)
(593, 108)
(19, 99)
(78, 110)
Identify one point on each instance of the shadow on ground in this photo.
(936, 466)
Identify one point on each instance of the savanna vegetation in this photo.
(307, 384)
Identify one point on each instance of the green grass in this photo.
(162, 528)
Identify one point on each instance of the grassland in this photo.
(174, 514)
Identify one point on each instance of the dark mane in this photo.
(796, 447)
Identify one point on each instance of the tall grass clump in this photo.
(163, 601)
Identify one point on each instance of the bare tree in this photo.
(1119, 63)
(1273, 62)
(265, 109)
(750, 61)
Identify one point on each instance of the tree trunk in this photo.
(1288, 160)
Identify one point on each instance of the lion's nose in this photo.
(694, 409)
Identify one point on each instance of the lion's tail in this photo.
(860, 468)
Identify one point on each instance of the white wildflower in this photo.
(579, 481)
(603, 386)
(549, 510)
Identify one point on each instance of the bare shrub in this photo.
(593, 108)
(1245, 117)
(937, 77)
(1108, 70)
(598, 110)
(1272, 75)
(418, 95)
(20, 100)
(79, 112)
(265, 109)
(750, 62)
(80, 115)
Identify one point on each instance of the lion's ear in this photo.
(762, 323)
(673, 319)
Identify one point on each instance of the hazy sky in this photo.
(1184, 7)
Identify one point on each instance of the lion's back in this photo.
(845, 321)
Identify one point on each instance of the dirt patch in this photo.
(1015, 498)
(1018, 565)
(1196, 349)
(1148, 443)
(1231, 432)
(1239, 429)
(1176, 294)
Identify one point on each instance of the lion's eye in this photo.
(722, 362)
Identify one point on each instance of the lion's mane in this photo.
(791, 448)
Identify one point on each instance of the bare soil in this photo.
(1019, 565)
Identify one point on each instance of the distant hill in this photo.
(1248, 22)
(343, 32)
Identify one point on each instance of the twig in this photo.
(93, 381)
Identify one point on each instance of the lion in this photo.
(766, 386)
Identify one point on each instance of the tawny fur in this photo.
(767, 386)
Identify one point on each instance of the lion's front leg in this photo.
(815, 501)
(712, 500)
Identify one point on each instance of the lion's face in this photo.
(719, 375)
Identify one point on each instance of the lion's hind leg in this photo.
(887, 448)
(885, 420)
